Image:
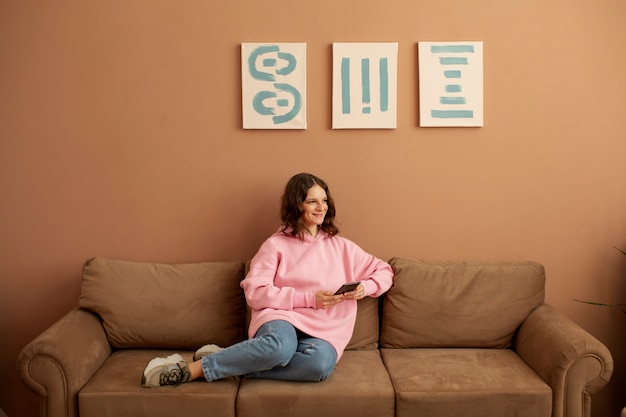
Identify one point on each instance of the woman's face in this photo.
(314, 207)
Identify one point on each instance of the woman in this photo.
(299, 326)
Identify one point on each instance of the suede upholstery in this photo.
(454, 339)
(359, 386)
(459, 304)
(143, 304)
(114, 393)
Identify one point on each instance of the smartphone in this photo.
(347, 288)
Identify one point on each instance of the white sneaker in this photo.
(159, 372)
(206, 350)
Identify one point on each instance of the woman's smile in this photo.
(314, 209)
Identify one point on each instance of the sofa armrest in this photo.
(569, 359)
(57, 363)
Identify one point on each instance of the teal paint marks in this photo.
(383, 68)
(453, 61)
(258, 103)
(345, 85)
(269, 62)
(452, 74)
(365, 85)
(297, 103)
(279, 100)
(452, 100)
(452, 114)
(290, 66)
(260, 106)
(438, 49)
(254, 72)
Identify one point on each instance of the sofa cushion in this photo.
(165, 306)
(359, 386)
(115, 390)
(367, 325)
(459, 304)
(465, 382)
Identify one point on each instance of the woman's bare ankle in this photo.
(195, 369)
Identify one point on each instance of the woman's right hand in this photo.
(325, 300)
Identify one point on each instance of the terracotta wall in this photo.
(120, 136)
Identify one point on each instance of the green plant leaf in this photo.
(615, 306)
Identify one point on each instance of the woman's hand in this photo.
(325, 300)
(357, 294)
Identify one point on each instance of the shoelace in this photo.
(172, 376)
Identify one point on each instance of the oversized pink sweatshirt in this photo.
(286, 273)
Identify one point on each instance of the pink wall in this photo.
(120, 136)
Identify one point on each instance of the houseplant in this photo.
(620, 307)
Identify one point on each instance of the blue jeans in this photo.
(277, 351)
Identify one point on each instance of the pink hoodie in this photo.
(286, 273)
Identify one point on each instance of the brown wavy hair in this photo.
(291, 205)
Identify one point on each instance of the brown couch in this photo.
(448, 339)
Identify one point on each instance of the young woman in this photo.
(299, 327)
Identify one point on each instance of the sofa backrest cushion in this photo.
(459, 304)
(154, 305)
(367, 325)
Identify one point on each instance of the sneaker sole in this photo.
(205, 351)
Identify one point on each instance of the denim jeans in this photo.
(277, 351)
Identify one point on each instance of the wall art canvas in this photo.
(450, 83)
(273, 85)
(365, 85)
